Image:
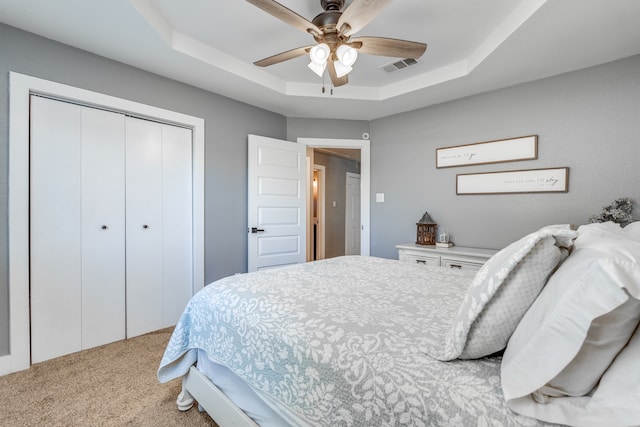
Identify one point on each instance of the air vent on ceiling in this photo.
(399, 65)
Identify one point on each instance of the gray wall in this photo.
(325, 128)
(227, 124)
(336, 169)
(588, 120)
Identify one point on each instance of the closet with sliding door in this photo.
(110, 226)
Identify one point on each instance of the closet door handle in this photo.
(104, 227)
(145, 226)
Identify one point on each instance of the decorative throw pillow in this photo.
(572, 333)
(501, 293)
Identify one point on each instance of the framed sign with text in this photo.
(504, 150)
(548, 180)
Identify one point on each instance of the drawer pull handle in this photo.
(458, 266)
(421, 261)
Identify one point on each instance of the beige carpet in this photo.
(111, 385)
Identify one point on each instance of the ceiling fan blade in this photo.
(358, 14)
(397, 48)
(283, 56)
(337, 81)
(287, 15)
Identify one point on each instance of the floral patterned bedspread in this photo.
(340, 342)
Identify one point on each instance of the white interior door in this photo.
(353, 223)
(276, 203)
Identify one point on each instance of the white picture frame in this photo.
(546, 180)
(498, 151)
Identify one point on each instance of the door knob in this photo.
(145, 226)
(256, 229)
(104, 227)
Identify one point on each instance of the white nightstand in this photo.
(458, 257)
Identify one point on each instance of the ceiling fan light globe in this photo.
(317, 68)
(319, 53)
(341, 69)
(347, 55)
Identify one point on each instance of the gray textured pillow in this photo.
(502, 292)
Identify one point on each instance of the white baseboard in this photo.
(9, 364)
(5, 365)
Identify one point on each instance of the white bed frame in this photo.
(219, 407)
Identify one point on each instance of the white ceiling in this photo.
(474, 46)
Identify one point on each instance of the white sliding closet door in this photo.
(77, 267)
(159, 224)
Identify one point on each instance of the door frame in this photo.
(346, 210)
(365, 183)
(21, 86)
(320, 230)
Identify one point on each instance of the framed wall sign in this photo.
(504, 150)
(549, 180)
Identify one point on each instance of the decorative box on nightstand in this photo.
(458, 257)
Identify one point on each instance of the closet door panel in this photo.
(55, 231)
(103, 227)
(177, 221)
(144, 226)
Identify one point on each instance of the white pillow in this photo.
(632, 231)
(501, 293)
(607, 335)
(593, 292)
(614, 403)
(605, 230)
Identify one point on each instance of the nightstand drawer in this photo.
(461, 264)
(421, 260)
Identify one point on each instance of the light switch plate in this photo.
(379, 197)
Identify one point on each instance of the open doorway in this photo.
(329, 164)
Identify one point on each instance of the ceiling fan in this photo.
(332, 30)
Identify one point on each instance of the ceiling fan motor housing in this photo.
(327, 21)
(332, 4)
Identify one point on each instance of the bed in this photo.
(364, 341)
